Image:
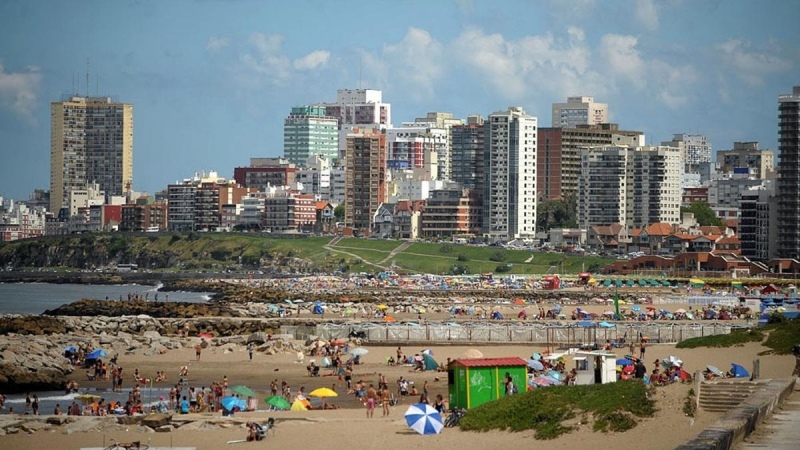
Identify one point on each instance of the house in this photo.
(325, 217)
(606, 237)
(687, 264)
(651, 239)
(407, 217)
(383, 221)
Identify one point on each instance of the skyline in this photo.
(212, 81)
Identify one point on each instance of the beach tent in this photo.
(318, 309)
(696, 282)
(739, 372)
(607, 283)
(473, 382)
(428, 363)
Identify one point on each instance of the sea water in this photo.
(49, 399)
(35, 298)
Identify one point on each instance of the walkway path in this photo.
(781, 431)
(399, 249)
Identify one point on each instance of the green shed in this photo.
(472, 382)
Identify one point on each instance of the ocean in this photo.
(35, 298)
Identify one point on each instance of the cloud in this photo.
(647, 13)
(666, 81)
(312, 60)
(557, 66)
(266, 61)
(18, 91)
(751, 64)
(416, 63)
(217, 43)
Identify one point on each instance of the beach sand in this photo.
(349, 428)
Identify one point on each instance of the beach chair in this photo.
(261, 430)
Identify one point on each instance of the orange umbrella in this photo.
(389, 319)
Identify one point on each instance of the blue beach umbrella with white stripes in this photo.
(424, 419)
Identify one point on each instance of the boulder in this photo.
(164, 429)
(156, 420)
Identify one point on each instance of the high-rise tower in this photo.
(91, 141)
(789, 174)
(307, 131)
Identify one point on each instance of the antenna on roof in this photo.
(87, 77)
(360, 60)
(73, 82)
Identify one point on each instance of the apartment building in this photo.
(759, 163)
(451, 212)
(264, 172)
(695, 149)
(91, 141)
(466, 153)
(358, 108)
(789, 174)
(365, 178)
(579, 111)
(509, 161)
(633, 186)
(308, 131)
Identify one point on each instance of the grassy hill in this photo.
(221, 251)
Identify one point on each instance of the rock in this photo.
(57, 420)
(164, 429)
(129, 420)
(33, 426)
(156, 420)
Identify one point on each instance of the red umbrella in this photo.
(684, 375)
(205, 336)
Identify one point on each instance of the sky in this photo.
(211, 81)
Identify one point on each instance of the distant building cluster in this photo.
(483, 177)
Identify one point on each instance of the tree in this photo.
(703, 213)
(560, 213)
(338, 212)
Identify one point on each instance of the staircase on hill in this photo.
(722, 395)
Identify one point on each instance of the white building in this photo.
(695, 149)
(442, 121)
(91, 195)
(358, 108)
(634, 186)
(308, 131)
(316, 176)
(509, 200)
(416, 146)
(579, 111)
(336, 192)
(724, 194)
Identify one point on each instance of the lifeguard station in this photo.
(595, 367)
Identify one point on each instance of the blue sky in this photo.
(211, 81)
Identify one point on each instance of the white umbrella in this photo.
(424, 419)
(714, 370)
(359, 351)
(680, 311)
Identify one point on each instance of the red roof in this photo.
(491, 362)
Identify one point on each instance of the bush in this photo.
(446, 248)
(463, 257)
(459, 269)
(499, 256)
(736, 337)
(502, 268)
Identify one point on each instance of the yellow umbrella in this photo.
(298, 405)
(323, 393)
(696, 281)
(382, 306)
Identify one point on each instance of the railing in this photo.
(555, 336)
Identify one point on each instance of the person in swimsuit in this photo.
(386, 400)
(372, 400)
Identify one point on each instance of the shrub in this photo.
(463, 257)
(446, 248)
(502, 268)
(498, 256)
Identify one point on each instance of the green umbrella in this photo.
(244, 391)
(278, 402)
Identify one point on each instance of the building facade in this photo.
(759, 163)
(695, 149)
(308, 131)
(509, 161)
(789, 175)
(633, 186)
(365, 178)
(451, 212)
(264, 172)
(358, 108)
(91, 141)
(579, 111)
(466, 153)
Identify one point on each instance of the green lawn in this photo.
(370, 244)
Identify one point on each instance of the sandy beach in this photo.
(349, 427)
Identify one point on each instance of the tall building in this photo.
(695, 149)
(358, 108)
(757, 222)
(789, 174)
(632, 186)
(266, 172)
(579, 111)
(435, 121)
(91, 141)
(365, 178)
(509, 161)
(747, 155)
(417, 146)
(558, 154)
(308, 131)
(467, 153)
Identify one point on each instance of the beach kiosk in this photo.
(596, 367)
(472, 382)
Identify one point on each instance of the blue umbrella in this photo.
(97, 354)
(231, 402)
(536, 356)
(624, 362)
(535, 364)
(549, 379)
(424, 419)
(553, 374)
(606, 325)
(585, 324)
(739, 371)
(71, 349)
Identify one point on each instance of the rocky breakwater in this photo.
(32, 360)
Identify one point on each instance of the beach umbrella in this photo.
(278, 402)
(205, 336)
(298, 405)
(671, 361)
(624, 362)
(472, 353)
(427, 351)
(71, 349)
(232, 402)
(605, 324)
(739, 371)
(97, 354)
(424, 419)
(541, 381)
(554, 374)
(536, 356)
(382, 306)
(359, 351)
(243, 391)
(535, 365)
(323, 393)
(389, 319)
(680, 311)
(684, 375)
(552, 380)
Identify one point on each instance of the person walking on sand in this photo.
(250, 349)
(386, 400)
(197, 349)
(372, 399)
(642, 348)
